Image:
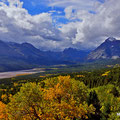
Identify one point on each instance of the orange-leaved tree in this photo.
(3, 113)
(66, 98)
(62, 98)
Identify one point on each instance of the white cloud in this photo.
(74, 5)
(77, 3)
(17, 25)
(95, 28)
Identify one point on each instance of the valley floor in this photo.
(19, 73)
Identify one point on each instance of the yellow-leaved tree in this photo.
(62, 98)
(66, 98)
(26, 104)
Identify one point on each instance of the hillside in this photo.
(95, 93)
(14, 56)
(110, 49)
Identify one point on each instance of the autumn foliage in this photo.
(66, 98)
(3, 113)
(61, 98)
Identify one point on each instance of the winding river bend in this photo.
(18, 73)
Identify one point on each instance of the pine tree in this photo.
(93, 99)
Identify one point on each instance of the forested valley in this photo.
(85, 95)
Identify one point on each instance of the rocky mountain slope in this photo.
(14, 56)
(110, 49)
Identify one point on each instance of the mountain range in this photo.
(14, 56)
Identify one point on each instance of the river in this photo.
(20, 72)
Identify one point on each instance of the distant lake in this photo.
(21, 72)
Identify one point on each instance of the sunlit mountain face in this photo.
(110, 49)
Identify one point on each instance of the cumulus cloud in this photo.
(91, 22)
(95, 28)
(17, 25)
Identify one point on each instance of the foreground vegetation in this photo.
(86, 95)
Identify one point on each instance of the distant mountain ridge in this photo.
(110, 49)
(14, 56)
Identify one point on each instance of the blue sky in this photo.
(59, 24)
(35, 7)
